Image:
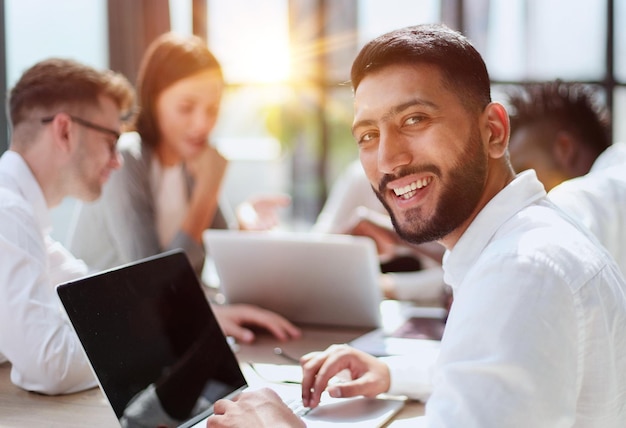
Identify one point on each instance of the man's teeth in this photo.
(409, 190)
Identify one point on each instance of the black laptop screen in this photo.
(152, 340)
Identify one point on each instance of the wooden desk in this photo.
(22, 409)
(19, 408)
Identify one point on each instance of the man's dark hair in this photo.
(571, 106)
(462, 67)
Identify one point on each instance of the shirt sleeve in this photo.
(425, 285)
(35, 336)
(412, 375)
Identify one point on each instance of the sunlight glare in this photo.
(251, 39)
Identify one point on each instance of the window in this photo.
(36, 30)
(287, 111)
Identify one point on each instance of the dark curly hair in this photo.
(572, 106)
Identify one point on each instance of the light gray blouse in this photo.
(120, 227)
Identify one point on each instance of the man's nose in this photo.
(393, 152)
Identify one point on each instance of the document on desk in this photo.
(355, 412)
(407, 330)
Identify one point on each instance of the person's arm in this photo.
(208, 171)
(425, 286)
(45, 353)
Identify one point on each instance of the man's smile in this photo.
(408, 191)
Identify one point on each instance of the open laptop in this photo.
(159, 354)
(325, 279)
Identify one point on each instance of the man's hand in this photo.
(234, 318)
(261, 408)
(370, 376)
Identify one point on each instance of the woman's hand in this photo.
(234, 318)
(208, 167)
(208, 170)
(261, 212)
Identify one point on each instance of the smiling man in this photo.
(66, 119)
(535, 335)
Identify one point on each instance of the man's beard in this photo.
(461, 192)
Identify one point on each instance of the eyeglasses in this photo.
(87, 124)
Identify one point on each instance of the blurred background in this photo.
(285, 120)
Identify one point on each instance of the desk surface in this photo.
(19, 408)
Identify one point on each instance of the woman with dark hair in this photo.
(166, 194)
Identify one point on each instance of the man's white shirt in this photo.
(536, 334)
(35, 336)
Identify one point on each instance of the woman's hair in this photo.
(169, 58)
(462, 67)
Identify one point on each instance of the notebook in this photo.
(309, 278)
(158, 352)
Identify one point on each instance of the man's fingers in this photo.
(318, 369)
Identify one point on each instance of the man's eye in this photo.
(413, 120)
(367, 137)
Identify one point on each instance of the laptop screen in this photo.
(152, 340)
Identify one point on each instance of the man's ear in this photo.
(498, 129)
(61, 126)
(564, 151)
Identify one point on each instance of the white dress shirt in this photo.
(35, 336)
(535, 336)
(598, 200)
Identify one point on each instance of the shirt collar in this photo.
(20, 179)
(524, 190)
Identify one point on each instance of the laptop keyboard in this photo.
(297, 407)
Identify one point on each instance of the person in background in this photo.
(167, 192)
(535, 336)
(561, 130)
(65, 119)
